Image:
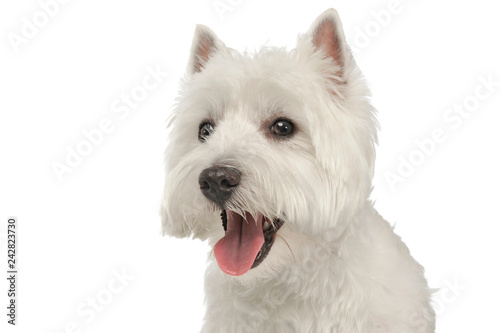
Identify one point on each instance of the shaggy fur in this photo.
(335, 265)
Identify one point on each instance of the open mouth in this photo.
(246, 243)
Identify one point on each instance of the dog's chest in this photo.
(278, 307)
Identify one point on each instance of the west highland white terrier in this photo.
(270, 158)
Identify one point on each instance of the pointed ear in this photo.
(328, 35)
(205, 44)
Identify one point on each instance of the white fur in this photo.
(336, 265)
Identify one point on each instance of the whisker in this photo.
(288, 245)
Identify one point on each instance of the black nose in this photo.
(218, 183)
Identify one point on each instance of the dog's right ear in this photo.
(205, 44)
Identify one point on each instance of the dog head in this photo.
(277, 139)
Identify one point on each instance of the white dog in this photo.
(270, 159)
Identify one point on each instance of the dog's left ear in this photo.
(327, 35)
(205, 45)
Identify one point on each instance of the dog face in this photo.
(274, 144)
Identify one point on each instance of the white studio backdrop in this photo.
(85, 91)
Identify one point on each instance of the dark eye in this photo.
(282, 127)
(206, 128)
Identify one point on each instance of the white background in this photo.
(101, 218)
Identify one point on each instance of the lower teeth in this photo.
(258, 255)
(266, 225)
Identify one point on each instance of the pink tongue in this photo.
(236, 251)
